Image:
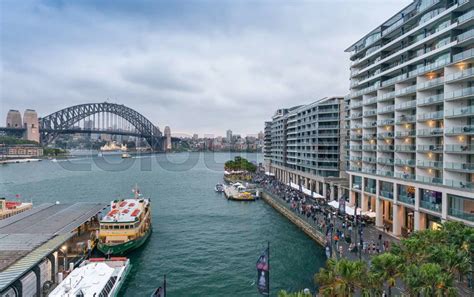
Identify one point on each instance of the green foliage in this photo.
(240, 163)
(426, 264)
(10, 140)
(284, 293)
(53, 151)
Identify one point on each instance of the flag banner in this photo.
(263, 274)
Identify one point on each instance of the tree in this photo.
(341, 278)
(387, 268)
(284, 293)
(429, 279)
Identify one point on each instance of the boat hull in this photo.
(123, 248)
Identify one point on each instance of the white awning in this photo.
(269, 173)
(305, 190)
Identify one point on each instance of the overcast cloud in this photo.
(197, 66)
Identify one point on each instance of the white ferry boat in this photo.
(95, 277)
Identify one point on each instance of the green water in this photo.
(206, 245)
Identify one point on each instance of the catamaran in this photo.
(126, 226)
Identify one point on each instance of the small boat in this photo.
(126, 156)
(219, 188)
(126, 226)
(95, 277)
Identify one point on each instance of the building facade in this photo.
(303, 146)
(411, 117)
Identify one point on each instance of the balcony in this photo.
(355, 158)
(433, 132)
(460, 112)
(355, 169)
(406, 105)
(430, 205)
(430, 84)
(369, 160)
(386, 122)
(405, 176)
(405, 148)
(462, 130)
(437, 115)
(369, 125)
(429, 179)
(386, 109)
(460, 167)
(369, 170)
(356, 148)
(385, 161)
(385, 148)
(403, 162)
(356, 104)
(385, 135)
(459, 184)
(405, 119)
(406, 199)
(370, 189)
(386, 194)
(386, 96)
(406, 91)
(459, 94)
(430, 148)
(430, 100)
(369, 148)
(369, 136)
(463, 215)
(463, 55)
(370, 101)
(369, 113)
(465, 74)
(356, 126)
(403, 134)
(459, 148)
(356, 137)
(429, 164)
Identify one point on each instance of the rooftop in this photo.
(28, 237)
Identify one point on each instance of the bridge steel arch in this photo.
(52, 125)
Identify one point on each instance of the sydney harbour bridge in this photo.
(92, 118)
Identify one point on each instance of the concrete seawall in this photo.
(305, 226)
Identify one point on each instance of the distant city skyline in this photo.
(193, 66)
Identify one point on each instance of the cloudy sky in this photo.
(196, 65)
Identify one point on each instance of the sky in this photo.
(199, 66)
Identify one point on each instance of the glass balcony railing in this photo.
(430, 100)
(386, 109)
(406, 199)
(465, 36)
(356, 148)
(430, 116)
(356, 104)
(405, 162)
(466, 17)
(372, 124)
(405, 176)
(385, 148)
(464, 55)
(386, 194)
(386, 161)
(355, 168)
(385, 173)
(466, 73)
(386, 96)
(430, 205)
(402, 134)
(464, 215)
(384, 135)
(460, 112)
(369, 113)
(386, 122)
(430, 83)
(370, 147)
(370, 190)
(459, 130)
(405, 91)
(429, 179)
(406, 105)
(459, 148)
(405, 119)
(430, 148)
(459, 94)
(405, 148)
(370, 101)
(430, 132)
(430, 164)
(459, 184)
(464, 167)
(369, 170)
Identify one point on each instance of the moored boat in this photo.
(126, 226)
(219, 188)
(95, 277)
(126, 156)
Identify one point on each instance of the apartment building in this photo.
(411, 117)
(303, 147)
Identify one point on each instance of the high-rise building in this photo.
(167, 142)
(14, 119)
(229, 136)
(31, 124)
(412, 117)
(303, 147)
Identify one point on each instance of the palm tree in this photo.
(428, 279)
(387, 268)
(341, 278)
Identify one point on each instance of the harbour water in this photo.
(206, 245)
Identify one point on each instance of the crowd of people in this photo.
(344, 233)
